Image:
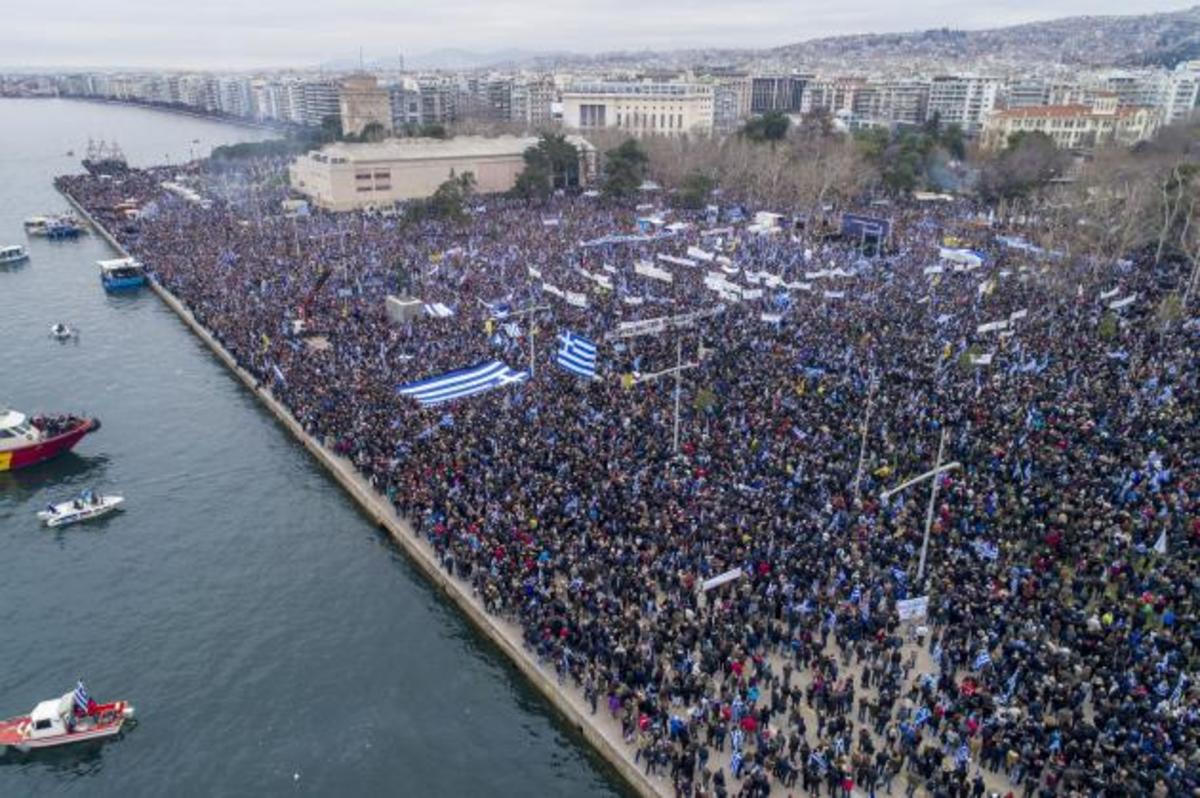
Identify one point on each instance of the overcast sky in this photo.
(217, 34)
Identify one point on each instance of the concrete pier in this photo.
(600, 730)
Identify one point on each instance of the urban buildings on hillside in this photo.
(702, 100)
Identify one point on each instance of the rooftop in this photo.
(418, 149)
(1064, 111)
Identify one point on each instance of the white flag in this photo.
(1160, 545)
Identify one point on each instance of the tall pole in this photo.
(933, 491)
(678, 389)
(532, 333)
(862, 444)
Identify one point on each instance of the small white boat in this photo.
(13, 254)
(85, 507)
(61, 332)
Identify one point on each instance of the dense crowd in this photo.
(1059, 647)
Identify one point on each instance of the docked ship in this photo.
(105, 159)
(28, 441)
(73, 718)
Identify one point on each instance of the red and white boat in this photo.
(28, 441)
(74, 718)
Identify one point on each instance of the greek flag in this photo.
(899, 574)
(1163, 689)
(963, 755)
(937, 653)
(988, 551)
(577, 354)
(983, 660)
(855, 595)
(1177, 693)
(819, 761)
(921, 716)
(464, 382)
(82, 699)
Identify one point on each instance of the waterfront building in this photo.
(363, 102)
(963, 100)
(1074, 127)
(640, 108)
(346, 176)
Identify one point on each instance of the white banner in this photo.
(772, 318)
(578, 300)
(835, 294)
(1120, 303)
(913, 609)
(717, 581)
(648, 269)
(677, 261)
(1017, 314)
(534, 273)
(552, 289)
(991, 326)
(982, 360)
(752, 293)
(699, 254)
(1110, 294)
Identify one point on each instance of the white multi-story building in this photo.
(1182, 96)
(640, 108)
(963, 100)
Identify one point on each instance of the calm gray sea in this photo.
(273, 642)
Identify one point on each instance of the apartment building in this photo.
(963, 100)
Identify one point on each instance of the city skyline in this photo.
(226, 35)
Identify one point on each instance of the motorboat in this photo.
(121, 273)
(28, 441)
(84, 507)
(14, 253)
(73, 718)
(61, 332)
(55, 227)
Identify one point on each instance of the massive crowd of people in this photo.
(1059, 647)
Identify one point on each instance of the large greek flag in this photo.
(577, 354)
(464, 382)
(82, 699)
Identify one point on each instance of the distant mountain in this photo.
(455, 58)
(1094, 41)
(1137, 40)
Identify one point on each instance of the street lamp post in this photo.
(937, 469)
(862, 443)
(677, 370)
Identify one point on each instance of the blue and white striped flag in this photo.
(464, 382)
(963, 755)
(577, 354)
(921, 716)
(1177, 693)
(818, 760)
(1163, 689)
(82, 699)
(982, 660)
(856, 595)
(937, 652)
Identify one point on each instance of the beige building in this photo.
(1074, 126)
(342, 176)
(662, 108)
(362, 101)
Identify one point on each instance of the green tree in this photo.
(552, 163)
(373, 132)
(953, 141)
(1029, 162)
(771, 126)
(624, 169)
(695, 189)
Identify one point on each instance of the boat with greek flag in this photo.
(72, 718)
(462, 383)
